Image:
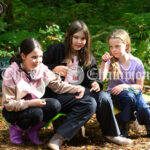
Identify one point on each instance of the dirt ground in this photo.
(93, 141)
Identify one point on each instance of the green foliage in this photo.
(146, 59)
(50, 35)
(138, 25)
(142, 51)
(48, 21)
(5, 54)
(98, 49)
(3, 26)
(10, 41)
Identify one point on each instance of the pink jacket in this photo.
(16, 85)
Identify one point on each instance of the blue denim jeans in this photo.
(140, 102)
(128, 102)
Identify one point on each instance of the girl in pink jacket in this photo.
(24, 85)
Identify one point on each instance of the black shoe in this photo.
(148, 130)
(124, 133)
(124, 129)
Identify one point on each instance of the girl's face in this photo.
(33, 59)
(117, 47)
(78, 41)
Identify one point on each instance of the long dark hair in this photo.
(84, 53)
(26, 47)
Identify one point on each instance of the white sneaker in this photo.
(119, 140)
(55, 142)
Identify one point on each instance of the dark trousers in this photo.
(104, 111)
(128, 102)
(78, 111)
(33, 115)
(105, 115)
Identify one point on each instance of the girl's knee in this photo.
(54, 104)
(104, 99)
(36, 114)
(126, 94)
(91, 105)
(127, 97)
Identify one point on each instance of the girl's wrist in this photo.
(125, 86)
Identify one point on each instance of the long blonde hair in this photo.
(125, 38)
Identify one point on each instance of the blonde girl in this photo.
(126, 80)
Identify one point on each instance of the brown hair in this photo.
(84, 53)
(26, 47)
(125, 38)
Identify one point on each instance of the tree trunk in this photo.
(9, 13)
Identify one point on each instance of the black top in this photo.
(55, 55)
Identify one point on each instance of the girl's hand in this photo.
(81, 91)
(37, 102)
(61, 70)
(95, 87)
(118, 89)
(106, 57)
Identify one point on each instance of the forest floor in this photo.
(93, 140)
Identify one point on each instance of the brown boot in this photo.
(55, 142)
